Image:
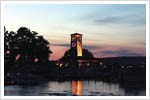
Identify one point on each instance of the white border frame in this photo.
(75, 97)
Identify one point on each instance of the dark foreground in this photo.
(80, 82)
(25, 79)
(31, 76)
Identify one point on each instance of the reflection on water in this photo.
(76, 87)
(79, 88)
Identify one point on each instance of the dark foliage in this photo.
(25, 46)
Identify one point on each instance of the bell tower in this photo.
(76, 44)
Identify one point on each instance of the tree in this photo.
(8, 46)
(26, 45)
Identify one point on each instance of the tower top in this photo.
(76, 34)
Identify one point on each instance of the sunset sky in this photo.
(108, 29)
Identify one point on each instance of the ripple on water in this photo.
(92, 93)
(50, 93)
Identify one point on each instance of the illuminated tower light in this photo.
(76, 43)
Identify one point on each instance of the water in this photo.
(80, 88)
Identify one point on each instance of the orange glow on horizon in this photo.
(58, 52)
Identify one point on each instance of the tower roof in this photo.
(76, 34)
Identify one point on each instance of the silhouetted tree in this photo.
(9, 46)
(26, 46)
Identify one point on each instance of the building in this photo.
(77, 57)
(76, 44)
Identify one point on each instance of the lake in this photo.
(77, 88)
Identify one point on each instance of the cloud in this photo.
(120, 52)
(92, 47)
(108, 20)
(129, 20)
